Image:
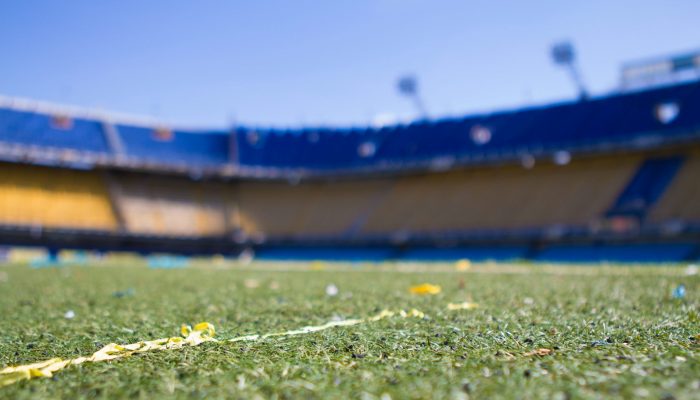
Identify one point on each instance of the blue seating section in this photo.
(635, 118)
(646, 187)
(196, 148)
(382, 254)
(325, 253)
(629, 253)
(34, 129)
(650, 115)
(633, 253)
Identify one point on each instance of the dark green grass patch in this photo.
(612, 332)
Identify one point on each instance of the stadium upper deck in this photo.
(638, 120)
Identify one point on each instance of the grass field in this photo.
(613, 332)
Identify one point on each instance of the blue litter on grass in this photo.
(167, 262)
(124, 293)
(679, 291)
(43, 263)
(80, 258)
(50, 261)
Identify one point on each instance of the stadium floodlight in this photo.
(408, 86)
(563, 54)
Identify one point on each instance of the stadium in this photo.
(612, 178)
(543, 250)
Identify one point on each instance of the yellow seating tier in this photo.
(305, 209)
(503, 197)
(172, 206)
(507, 197)
(51, 197)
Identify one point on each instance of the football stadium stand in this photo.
(612, 178)
(312, 210)
(51, 131)
(638, 119)
(647, 185)
(503, 198)
(43, 197)
(681, 201)
(165, 146)
(155, 205)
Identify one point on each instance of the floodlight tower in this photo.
(563, 54)
(408, 86)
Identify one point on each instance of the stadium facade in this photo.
(615, 177)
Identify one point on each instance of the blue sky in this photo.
(290, 63)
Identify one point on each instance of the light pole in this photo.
(563, 54)
(408, 86)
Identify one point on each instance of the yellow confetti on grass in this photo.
(463, 265)
(539, 352)
(467, 305)
(425, 288)
(201, 333)
(317, 266)
(251, 283)
(191, 336)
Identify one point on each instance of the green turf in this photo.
(614, 332)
